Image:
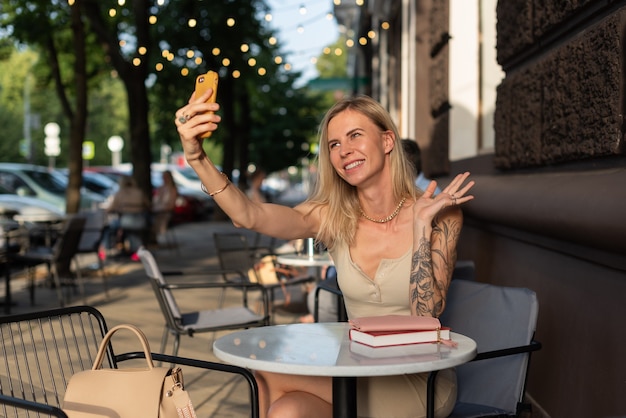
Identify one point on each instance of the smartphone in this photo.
(204, 82)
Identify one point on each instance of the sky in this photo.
(317, 31)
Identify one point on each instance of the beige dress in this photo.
(401, 396)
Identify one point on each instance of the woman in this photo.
(163, 204)
(132, 208)
(363, 204)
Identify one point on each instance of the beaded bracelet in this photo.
(217, 191)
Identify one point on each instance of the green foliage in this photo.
(334, 65)
(266, 119)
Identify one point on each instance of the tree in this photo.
(59, 31)
(156, 48)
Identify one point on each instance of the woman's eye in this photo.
(333, 145)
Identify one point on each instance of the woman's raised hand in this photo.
(193, 121)
(454, 194)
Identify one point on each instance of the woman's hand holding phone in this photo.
(203, 83)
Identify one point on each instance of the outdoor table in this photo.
(325, 349)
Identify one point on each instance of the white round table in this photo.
(325, 349)
(305, 260)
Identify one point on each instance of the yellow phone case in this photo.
(203, 83)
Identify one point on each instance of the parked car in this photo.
(12, 204)
(41, 182)
(192, 205)
(107, 171)
(189, 207)
(98, 182)
(188, 184)
(183, 175)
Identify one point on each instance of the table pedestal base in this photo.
(344, 397)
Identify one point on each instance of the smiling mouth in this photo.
(353, 165)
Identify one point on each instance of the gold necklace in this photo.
(388, 218)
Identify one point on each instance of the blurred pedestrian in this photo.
(164, 204)
(132, 208)
(255, 182)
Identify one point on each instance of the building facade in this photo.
(529, 96)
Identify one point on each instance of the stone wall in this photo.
(563, 95)
(549, 204)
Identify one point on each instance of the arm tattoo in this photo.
(427, 294)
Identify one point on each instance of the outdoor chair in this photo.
(40, 352)
(178, 322)
(329, 284)
(502, 321)
(58, 259)
(234, 253)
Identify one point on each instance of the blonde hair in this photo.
(339, 198)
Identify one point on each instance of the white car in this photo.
(12, 204)
(48, 185)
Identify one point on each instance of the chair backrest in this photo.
(164, 296)
(233, 252)
(464, 270)
(40, 351)
(496, 317)
(95, 223)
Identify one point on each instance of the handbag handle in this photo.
(97, 363)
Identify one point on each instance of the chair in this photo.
(329, 284)
(134, 228)
(234, 253)
(502, 321)
(40, 351)
(178, 323)
(91, 240)
(57, 258)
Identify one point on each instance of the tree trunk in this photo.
(79, 120)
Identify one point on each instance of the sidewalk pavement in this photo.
(131, 300)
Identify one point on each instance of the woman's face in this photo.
(357, 147)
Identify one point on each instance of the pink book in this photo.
(395, 323)
(387, 330)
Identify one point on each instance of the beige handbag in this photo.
(128, 392)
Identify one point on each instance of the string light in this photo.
(278, 59)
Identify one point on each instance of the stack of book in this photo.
(389, 330)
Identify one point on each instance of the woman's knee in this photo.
(299, 405)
